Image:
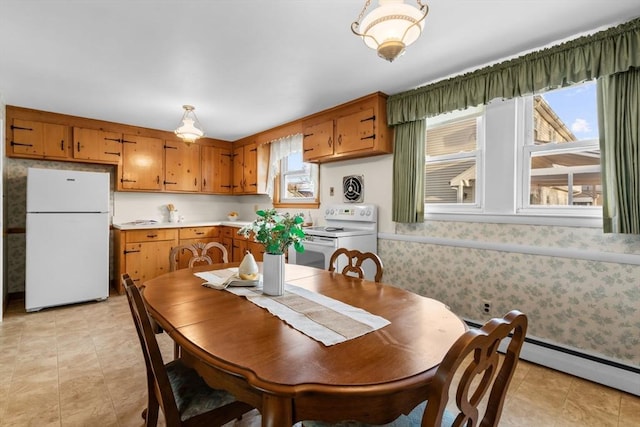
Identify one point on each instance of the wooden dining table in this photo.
(288, 376)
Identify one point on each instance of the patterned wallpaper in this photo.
(588, 305)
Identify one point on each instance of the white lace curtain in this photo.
(279, 149)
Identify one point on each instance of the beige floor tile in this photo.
(574, 415)
(629, 410)
(525, 412)
(590, 397)
(32, 401)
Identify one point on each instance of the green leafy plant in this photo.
(276, 231)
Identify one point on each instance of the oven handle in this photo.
(319, 241)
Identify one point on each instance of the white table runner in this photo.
(322, 318)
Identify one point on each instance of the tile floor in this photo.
(81, 365)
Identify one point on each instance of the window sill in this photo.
(305, 205)
(526, 219)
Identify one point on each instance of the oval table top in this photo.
(290, 376)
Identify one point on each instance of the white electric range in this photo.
(350, 226)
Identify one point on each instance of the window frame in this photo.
(280, 182)
(507, 128)
(527, 148)
(476, 155)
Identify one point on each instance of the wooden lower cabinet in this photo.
(143, 254)
(238, 245)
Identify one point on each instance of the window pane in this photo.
(567, 114)
(450, 181)
(449, 138)
(299, 185)
(566, 179)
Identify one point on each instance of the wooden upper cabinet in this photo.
(251, 168)
(216, 169)
(250, 163)
(182, 166)
(318, 140)
(37, 139)
(352, 130)
(142, 163)
(97, 145)
(355, 132)
(238, 170)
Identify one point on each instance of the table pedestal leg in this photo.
(276, 411)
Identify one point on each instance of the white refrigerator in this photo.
(67, 236)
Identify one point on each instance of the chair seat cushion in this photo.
(413, 419)
(193, 395)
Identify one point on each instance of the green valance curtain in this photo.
(604, 53)
(619, 126)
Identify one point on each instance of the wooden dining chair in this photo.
(356, 259)
(185, 399)
(480, 370)
(199, 254)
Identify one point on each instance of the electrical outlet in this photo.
(486, 307)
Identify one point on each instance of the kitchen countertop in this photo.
(142, 225)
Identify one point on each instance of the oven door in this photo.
(317, 252)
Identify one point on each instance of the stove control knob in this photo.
(326, 212)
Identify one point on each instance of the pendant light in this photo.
(190, 128)
(390, 27)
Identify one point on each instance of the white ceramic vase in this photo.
(273, 274)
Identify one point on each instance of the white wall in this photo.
(378, 184)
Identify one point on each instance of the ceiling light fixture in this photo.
(190, 128)
(390, 27)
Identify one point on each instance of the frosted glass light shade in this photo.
(190, 128)
(391, 27)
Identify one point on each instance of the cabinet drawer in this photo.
(151, 235)
(199, 232)
(229, 232)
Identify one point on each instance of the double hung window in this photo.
(535, 156)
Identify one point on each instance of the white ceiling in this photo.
(248, 65)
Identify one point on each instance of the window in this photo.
(297, 183)
(561, 164)
(533, 160)
(452, 164)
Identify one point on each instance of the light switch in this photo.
(331, 191)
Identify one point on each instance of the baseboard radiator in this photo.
(578, 363)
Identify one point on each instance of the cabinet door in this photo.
(146, 260)
(216, 170)
(256, 249)
(56, 141)
(227, 242)
(239, 249)
(26, 137)
(355, 132)
(238, 170)
(207, 168)
(182, 166)
(318, 141)
(222, 174)
(93, 144)
(142, 163)
(251, 168)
